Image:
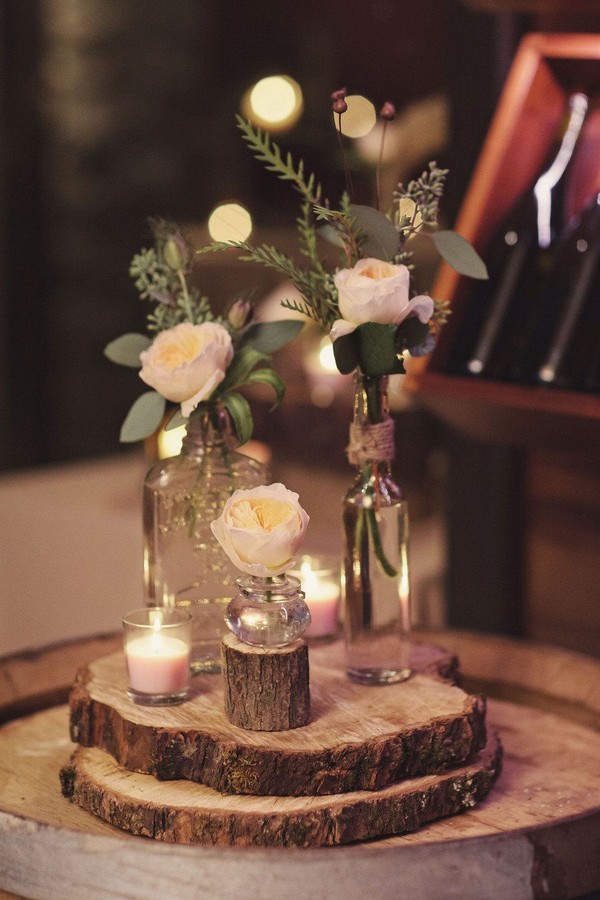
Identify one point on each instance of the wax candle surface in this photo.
(322, 596)
(158, 664)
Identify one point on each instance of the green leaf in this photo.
(410, 333)
(459, 254)
(345, 351)
(176, 420)
(125, 350)
(241, 415)
(270, 377)
(143, 418)
(240, 367)
(377, 349)
(267, 337)
(378, 234)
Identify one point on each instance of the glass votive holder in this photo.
(157, 642)
(320, 579)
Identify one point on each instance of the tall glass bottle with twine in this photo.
(375, 580)
(184, 566)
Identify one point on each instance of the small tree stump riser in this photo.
(266, 689)
(143, 806)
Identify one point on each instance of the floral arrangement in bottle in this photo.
(199, 360)
(367, 303)
(191, 356)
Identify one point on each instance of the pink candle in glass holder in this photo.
(157, 651)
(320, 583)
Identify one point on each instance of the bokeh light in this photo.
(274, 102)
(230, 222)
(360, 117)
(326, 356)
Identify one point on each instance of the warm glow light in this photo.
(326, 356)
(360, 117)
(169, 442)
(274, 102)
(230, 222)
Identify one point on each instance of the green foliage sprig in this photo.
(161, 276)
(357, 231)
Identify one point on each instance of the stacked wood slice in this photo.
(371, 762)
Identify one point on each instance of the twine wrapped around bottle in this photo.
(371, 443)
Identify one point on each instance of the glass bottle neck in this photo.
(370, 399)
(551, 183)
(372, 431)
(208, 428)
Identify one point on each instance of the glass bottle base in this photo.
(158, 699)
(378, 676)
(205, 666)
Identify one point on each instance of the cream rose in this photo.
(186, 363)
(376, 291)
(261, 529)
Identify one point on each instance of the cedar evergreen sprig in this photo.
(266, 150)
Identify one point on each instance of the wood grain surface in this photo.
(266, 689)
(360, 737)
(194, 814)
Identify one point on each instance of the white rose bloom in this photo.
(261, 529)
(376, 291)
(187, 362)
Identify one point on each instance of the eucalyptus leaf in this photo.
(143, 418)
(125, 350)
(459, 253)
(270, 377)
(267, 337)
(379, 238)
(331, 234)
(241, 415)
(377, 349)
(176, 420)
(345, 351)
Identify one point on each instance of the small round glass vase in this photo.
(268, 612)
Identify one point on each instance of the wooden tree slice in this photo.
(144, 806)
(360, 737)
(266, 689)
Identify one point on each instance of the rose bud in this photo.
(240, 314)
(175, 252)
(339, 106)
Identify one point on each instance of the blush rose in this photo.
(187, 362)
(261, 529)
(376, 291)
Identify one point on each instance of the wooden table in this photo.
(537, 834)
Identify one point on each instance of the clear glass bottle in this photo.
(184, 565)
(375, 577)
(268, 612)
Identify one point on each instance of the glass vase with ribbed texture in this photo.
(375, 575)
(184, 566)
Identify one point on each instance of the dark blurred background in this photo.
(112, 111)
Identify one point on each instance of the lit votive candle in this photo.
(320, 583)
(157, 643)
